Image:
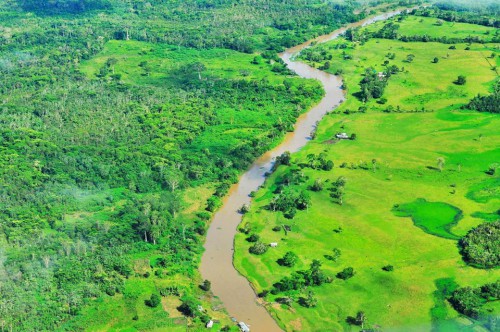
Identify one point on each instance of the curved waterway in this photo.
(233, 289)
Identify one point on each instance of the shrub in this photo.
(289, 260)
(461, 80)
(244, 209)
(253, 238)
(317, 185)
(388, 268)
(206, 285)
(258, 248)
(153, 301)
(189, 306)
(346, 273)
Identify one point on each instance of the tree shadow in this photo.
(351, 320)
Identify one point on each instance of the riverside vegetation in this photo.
(402, 233)
(123, 124)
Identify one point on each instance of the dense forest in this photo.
(95, 165)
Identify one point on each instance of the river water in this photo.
(233, 289)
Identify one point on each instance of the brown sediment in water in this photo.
(233, 289)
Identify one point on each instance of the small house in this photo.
(210, 324)
(243, 327)
(342, 136)
(381, 75)
(273, 244)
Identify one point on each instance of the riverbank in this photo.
(217, 261)
(397, 267)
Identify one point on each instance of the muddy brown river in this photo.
(233, 289)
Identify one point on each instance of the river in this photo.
(233, 289)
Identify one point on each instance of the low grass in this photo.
(435, 218)
(421, 84)
(405, 147)
(432, 27)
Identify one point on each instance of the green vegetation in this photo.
(474, 303)
(413, 140)
(481, 246)
(123, 124)
(435, 218)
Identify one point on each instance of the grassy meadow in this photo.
(432, 27)
(401, 207)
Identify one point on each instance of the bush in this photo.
(289, 260)
(258, 248)
(461, 80)
(244, 209)
(206, 285)
(276, 228)
(153, 301)
(189, 306)
(388, 268)
(346, 273)
(253, 238)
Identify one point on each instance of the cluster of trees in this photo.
(489, 103)
(372, 85)
(470, 302)
(318, 162)
(478, 12)
(479, 247)
(54, 7)
(314, 276)
(211, 24)
(289, 200)
(338, 189)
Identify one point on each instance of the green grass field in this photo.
(406, 147)
(417, 25)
